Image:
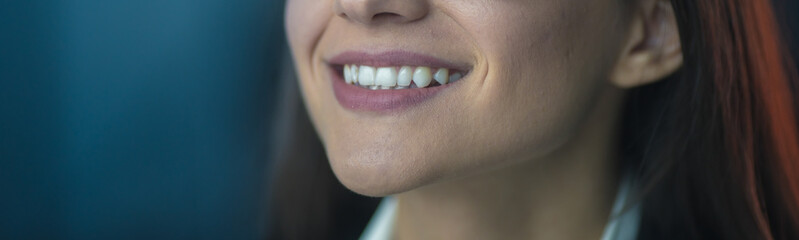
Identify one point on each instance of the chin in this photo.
(379, 173)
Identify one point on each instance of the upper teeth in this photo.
(397, 77)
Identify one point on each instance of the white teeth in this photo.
(422, 77)
(386, 77)
(404, 77)
(347, 74)
(455, 77)
(366, 76)
(396, 77)
(354, 73)
(442, 76)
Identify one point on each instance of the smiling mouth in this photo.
(391, 80)
(397, 77)
(396, 70)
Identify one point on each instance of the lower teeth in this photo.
(372, 87)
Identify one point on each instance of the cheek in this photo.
(305, 23)
(543, 74)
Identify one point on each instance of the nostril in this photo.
(387, 16)
(381, 11)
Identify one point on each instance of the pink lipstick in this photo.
(390, 80)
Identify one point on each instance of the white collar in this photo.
(621, 225)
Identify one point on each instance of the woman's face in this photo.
(531, 71)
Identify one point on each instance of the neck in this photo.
(566, 195)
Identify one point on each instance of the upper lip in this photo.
(394, 58)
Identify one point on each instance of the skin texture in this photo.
(531, 126)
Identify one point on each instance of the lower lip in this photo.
(358, 98)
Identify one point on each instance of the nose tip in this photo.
(370, 12)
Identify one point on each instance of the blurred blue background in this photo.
(136, 119)
(141, 119)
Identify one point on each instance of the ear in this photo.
(653, 48)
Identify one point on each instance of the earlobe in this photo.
(653, 50)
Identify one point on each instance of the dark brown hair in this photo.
(715, 146)
(717, 142)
